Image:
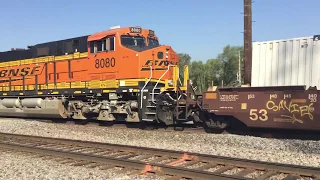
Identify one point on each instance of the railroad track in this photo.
(256, 132)
(171, 164)
(187, 129)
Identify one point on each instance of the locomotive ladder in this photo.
(182, 97)
(147, 113)
(155, 86)
(177, 84)
(142, 90)
(152, 103)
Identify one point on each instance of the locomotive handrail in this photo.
(141, 92)
(152, 99)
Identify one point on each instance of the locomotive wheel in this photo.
(132, 125)
(81, 122)
(212, 130)
(216, 122)
(178, 128)
(106, 123)
(146, 126)
(59, 121)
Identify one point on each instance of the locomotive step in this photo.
(151, 106)
(150, 120)
(150, 113)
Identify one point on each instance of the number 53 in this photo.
(262, 115)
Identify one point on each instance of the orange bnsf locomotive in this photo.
(120, 74)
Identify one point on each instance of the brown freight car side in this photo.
(289, 107)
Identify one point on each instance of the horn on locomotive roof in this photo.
(115, 27)
(17, 49)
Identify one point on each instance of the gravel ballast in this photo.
(299, 152)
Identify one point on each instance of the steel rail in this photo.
(136, 165)
(211, 161)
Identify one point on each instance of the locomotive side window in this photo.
(105, 44)
(112, 44)
(92, 47)
(99, 46)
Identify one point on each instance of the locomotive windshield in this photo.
(138, 43)
(153, 42)
(133, 41)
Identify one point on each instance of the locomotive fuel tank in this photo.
(31, 102)
(11, 102)
(33, 107)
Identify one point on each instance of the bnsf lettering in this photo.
(160, 63)
(13, 72)
(19, 72)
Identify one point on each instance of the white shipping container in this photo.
(286, 62)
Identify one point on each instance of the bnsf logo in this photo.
(160, 63)
(19, 72)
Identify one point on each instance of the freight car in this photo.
(122, 74)
(278, 107)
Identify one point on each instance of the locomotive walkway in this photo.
(140, 160)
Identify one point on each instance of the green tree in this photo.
(224, 67)
(230, 59)
(214, 71)
(197, 75)
(184, 59)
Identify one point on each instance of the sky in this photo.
(200, 28)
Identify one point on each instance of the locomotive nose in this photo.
(169, 54)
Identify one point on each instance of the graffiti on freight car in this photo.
(229, 97)
(292, 111)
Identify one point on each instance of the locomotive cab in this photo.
(132, 53)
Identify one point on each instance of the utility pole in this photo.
(239, 69)
(247, 41)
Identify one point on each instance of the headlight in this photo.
(170, 82)
(167, 53)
